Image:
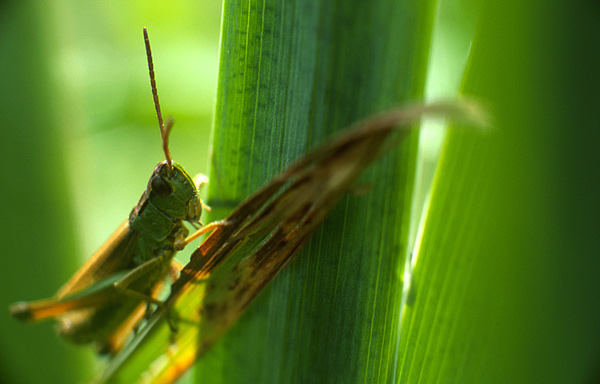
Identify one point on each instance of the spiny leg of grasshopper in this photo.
(151, 265)
(135, 274)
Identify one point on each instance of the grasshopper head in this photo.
(174, 192)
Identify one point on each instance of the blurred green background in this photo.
(80, 140)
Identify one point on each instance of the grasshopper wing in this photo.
(84, 289)
(115, 255)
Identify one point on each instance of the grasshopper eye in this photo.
(160, 186)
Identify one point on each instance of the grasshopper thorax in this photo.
(171, 195)
(174, 192)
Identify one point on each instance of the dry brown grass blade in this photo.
(318, 180)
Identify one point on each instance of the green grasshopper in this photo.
(108, 297)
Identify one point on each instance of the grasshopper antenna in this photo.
(164, 131)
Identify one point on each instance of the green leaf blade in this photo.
(303, 70)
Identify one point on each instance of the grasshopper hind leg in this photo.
(150, 266)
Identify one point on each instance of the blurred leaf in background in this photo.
(505, 288)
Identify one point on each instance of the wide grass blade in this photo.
(291, 74)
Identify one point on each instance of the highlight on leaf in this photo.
(261, 236)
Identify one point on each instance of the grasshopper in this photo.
(108, 296)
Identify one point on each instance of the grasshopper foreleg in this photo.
(205, 229)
